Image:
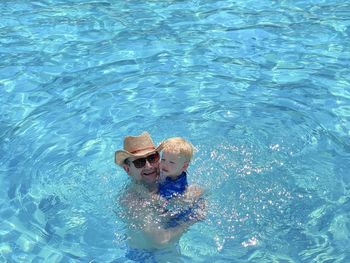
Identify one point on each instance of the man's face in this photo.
(145, 169)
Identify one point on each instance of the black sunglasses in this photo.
(141, 162)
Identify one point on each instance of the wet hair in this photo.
(178, 145)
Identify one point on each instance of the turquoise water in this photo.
(261, 88)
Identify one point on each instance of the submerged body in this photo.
(144, 211)
(148, 220)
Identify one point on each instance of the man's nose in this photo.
(148, 164)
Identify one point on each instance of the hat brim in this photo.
(121, 155)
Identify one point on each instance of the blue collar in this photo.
(169, 187)
(179, 179)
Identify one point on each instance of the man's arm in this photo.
(162, 236)
(146, 216)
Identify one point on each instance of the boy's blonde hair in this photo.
(180, 146)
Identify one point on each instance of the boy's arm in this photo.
(189, 207)
(189, 198)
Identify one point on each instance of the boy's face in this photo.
(172, 164)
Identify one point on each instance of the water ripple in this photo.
(260, 88)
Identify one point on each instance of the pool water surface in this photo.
(260, 88)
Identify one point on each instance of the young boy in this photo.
(176, 157)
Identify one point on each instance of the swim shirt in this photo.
(169, 188)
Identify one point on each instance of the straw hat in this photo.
(136, 146)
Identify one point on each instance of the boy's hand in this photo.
(193, 192)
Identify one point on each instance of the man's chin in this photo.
(149, 177)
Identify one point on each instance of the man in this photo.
(140, 160)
